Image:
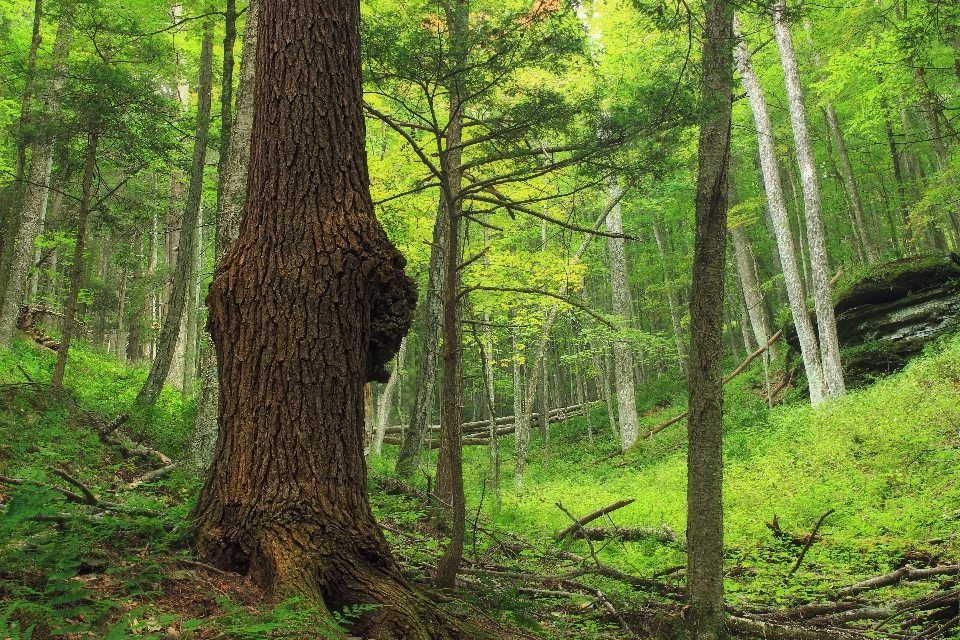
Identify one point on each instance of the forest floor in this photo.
(840, 521)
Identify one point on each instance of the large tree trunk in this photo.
(408, 460)
(778, 211)
(705, 424)
(9, 223)
(185, 255)
(310, 304)
(35, 201)
(231, 195)
(622, 307)
(816, 237)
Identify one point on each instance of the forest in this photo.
(443, 319)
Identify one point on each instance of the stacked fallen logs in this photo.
(479, 432)
(27, 323)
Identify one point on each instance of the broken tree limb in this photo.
(599, 513)
(733, 374)
(88, 496)
(156, 474)
(813, 536)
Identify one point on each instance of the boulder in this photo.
(887, 315)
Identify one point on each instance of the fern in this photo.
(10, 629)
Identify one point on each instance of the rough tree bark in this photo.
(311, 303)
(705, 616)
(35, 200)
(170, 331)
(231, 195)
(781, 222)
(816, 241)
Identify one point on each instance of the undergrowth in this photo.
(883, 459)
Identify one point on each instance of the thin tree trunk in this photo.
(705, 424)
(778, 211)
(76, 276)
(408, 460)
(816, 236)
(192, 311)
(850, 184)
(622, 351)
(172, 321)
(671, 296)
(450, 456)
(35, 200)
(386, 399)
(231, 197)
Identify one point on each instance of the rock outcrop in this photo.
(885, 317)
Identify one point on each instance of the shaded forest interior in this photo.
(618, 217)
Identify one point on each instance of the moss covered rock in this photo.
(887, 314)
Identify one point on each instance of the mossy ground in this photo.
(884, 458)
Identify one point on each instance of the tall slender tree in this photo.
(816, 236)
(705, 424)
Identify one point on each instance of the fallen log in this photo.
(435, 444)
(630, 534)
(770, 631)
(906, 572)
(593, 516)
(555, 415)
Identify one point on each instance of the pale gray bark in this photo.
(233, 195)
(189, 327)
(752, 295)
(858, 219)
(622, 307)
(35, 199)
(410, 451)
(781, 222)
(816, 236)
(850, 184)
(386, 398)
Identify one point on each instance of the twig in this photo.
(577, 524)
(599, 513)
(25, 374)
(813, 536)
(733, 374)
(89, 498)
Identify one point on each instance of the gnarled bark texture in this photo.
(311, 303)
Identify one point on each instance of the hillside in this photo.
(117, 562)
